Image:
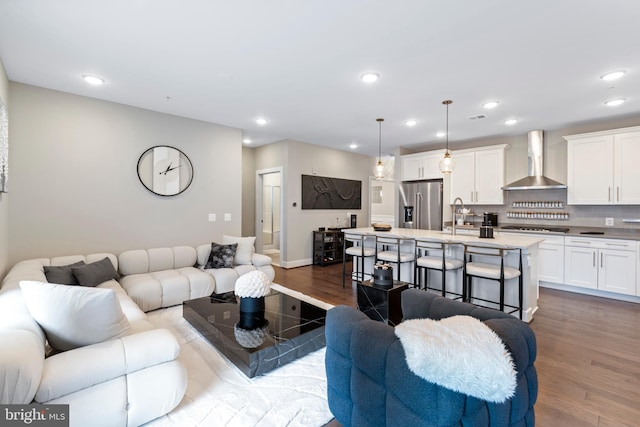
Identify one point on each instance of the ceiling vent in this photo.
(479, 116)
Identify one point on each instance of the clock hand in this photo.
(169, 170)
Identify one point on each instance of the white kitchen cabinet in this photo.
(551, 259)
(581, 268)
(603, 264)
(602, 167)
(478, 176)
(421, 166)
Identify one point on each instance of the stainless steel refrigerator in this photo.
(421, 205)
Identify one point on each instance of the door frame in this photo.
(259, 200)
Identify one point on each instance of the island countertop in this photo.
(528, 244)
(519, 241)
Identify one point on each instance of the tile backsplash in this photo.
(578, 215)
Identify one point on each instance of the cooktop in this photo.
(536, 228)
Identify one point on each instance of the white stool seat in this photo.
(357, 251)
(435, 262)
(392, 256)
(491, 271)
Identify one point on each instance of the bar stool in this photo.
(390, 250)
(498, 272)
(431, 254)
(358, 250)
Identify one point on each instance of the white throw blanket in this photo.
(460, 353)
(218, 394)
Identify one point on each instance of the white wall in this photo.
(4, 197)
(74, 186)
(298, 158)
(248, 192)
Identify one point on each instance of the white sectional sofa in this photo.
(125, 381)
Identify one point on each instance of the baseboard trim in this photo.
(297, 263)
(592, 292)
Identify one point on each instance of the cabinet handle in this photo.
(601, 260)
(471, 196)
(617, 244)
(476, 197)
(580, 242)
(594, 259)
(609, 194)
(618, 192)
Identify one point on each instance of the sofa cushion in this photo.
(95, 273)
(21, 364)
(62, 274)
(221, 256)
(245, 247)
(225, 279)
(74, 316)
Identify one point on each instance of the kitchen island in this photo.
(490, 289)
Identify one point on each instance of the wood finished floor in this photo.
(588, 360)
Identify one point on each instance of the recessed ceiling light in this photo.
(94, 80)
(369, 77)
(353, 145)
(510, 122)
(441, 134)
(246, 141)
(613, 75)
(615, 102)
(490, 104)
(411, 122)
(262, 121)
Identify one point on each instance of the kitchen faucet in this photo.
(453, 214)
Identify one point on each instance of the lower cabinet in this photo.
(551, 263)
(603, 264)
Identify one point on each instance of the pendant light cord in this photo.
(379, 139)
(447, 102)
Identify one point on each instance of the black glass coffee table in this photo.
(258, 342)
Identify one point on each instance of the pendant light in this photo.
(378, 172)
(446, 164)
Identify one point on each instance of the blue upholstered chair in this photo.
(370, 384)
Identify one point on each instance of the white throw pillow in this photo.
(74, 316)
(245, 248)
(460, 353)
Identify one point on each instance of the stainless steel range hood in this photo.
(536, 180)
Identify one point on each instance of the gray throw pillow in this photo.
(62, 274)
(221, 256)
(95, 273)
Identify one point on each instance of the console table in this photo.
(328, 247)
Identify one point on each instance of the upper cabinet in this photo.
(602, 167)
(421, 166)
(478, 176)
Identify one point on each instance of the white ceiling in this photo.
(298, 62)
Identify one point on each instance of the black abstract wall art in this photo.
(320, 192)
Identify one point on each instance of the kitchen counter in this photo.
(576, 231)
(528, 244)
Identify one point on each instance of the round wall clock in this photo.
(164, 170)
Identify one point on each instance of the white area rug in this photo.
(218, 394)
